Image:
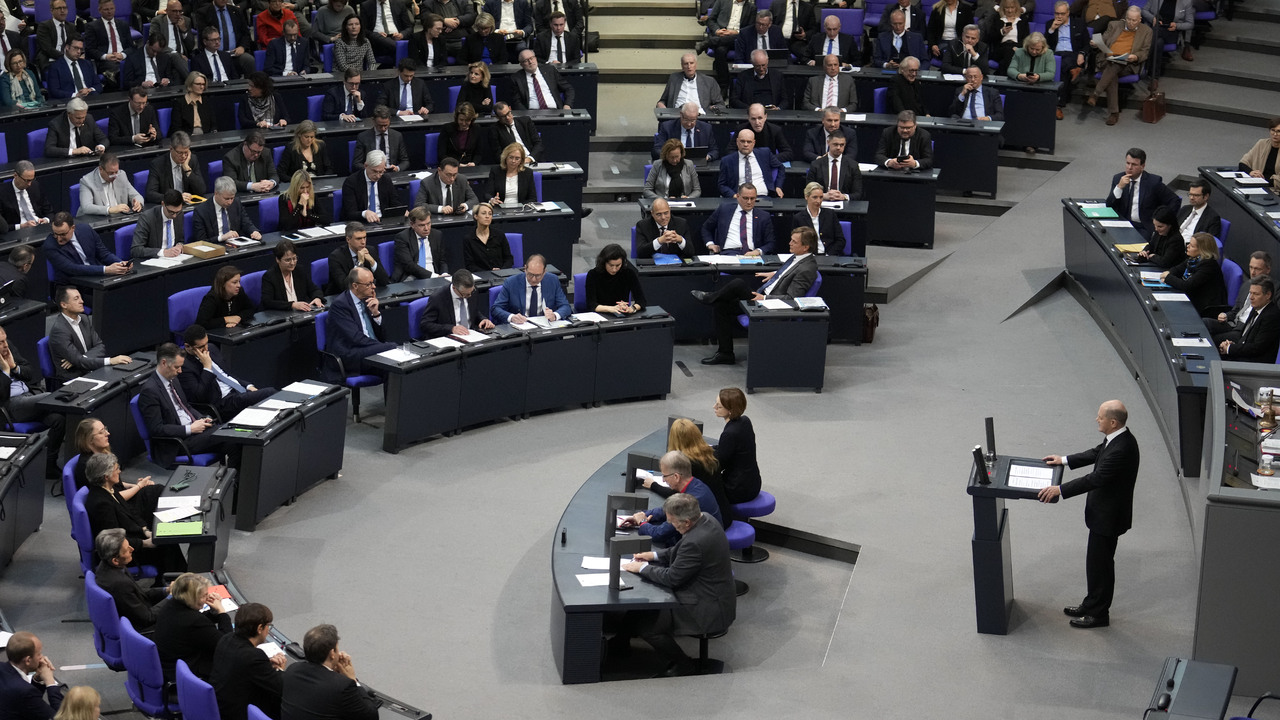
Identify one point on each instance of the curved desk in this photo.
(21, 491)
(1251, 228)
(1142, 329)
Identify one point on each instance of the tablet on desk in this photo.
(131, 366)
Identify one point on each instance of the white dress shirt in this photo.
(732, 239)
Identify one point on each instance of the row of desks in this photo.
(1251, 228)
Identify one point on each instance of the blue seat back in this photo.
(516, 241)
(402, 51)
(69, 481)
(537, 184)
(633, 242)
(1226, 227)
(75, 198)
(815, 287)
(414, 185)
(320, 272)
(45, 358)
(145, 678)
(166, 117)
(256, 714)
(493, 299)
(81, 531)
(880, 100)
(326, 57)
(140, 181)
(269, 215)
(431, 149)
(276, 154)
(214, 169)
(106, 622)
(4, 148)
(315, 107)
(259, 60)
(102, 124)
(322, 330)
(457, 89)
(195, 696)
(580, 293)
(35, 142)
(387, 255)
(124, 240)
(416, 308)
(182, 310)
(351, 158)
(235, 114)
(1233, 276)
(251, 285)
(846, 229)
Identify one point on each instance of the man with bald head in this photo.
(749, 164)
(689, 130)
(832, 42)
(662, 233)
(1108, 508)
(689, 86)
(768, 135)
(830, 89)
(758, 84)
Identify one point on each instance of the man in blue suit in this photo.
(20, 698)
(738, 228)
(525, 296)
(72, 75)
(689, 130)
(288, 54)
(78, 251)
(355, 322)
(749, 165)
(1150, 190)
(892, 47)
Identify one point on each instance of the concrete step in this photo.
(605, 8)
(1210, 100)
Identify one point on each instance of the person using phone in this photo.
(905, 146)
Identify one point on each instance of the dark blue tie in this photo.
(533, 301)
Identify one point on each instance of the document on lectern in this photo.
(253, 417)
(1029, 476)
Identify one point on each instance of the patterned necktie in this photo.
(834, 180)
(542, 96)
(973, 105)
(168, 234)
(831, 92)
(111, 32)
(373, 196)
(746, 167)
(742, 231)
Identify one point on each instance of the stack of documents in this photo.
(774, 304)
(441, 343)
(167, 262)
(1026, 476)
(254, 417)
(305, 388)
(397, 355)
(594, 317)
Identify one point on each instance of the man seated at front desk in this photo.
(1227, 325)
(167, 412)
(975, 100)
(135, 123)
(816, 139)
(739, 229)
(697, 569)
(21, 390)
(792, 280)
(1259, 339)
(132, 601)
(768, 136)
(749, 164)
(1135, 193)
(74, 345)
(758, 84)
(21, 202)
(662, 233)
(419, 250)
(251, 167)
(179, 169)
(677, 472)
(381, 137)
(160, 231)
(346, 102)
(207, 383)
(78, 251)
(450, 310)
(526, 295)
(224, 218)
(74, 133)
(355, 322)
(355, 253)
(106, 190)
(906, 146)
(689, 130)
(405, 94)
(837, 173)
(367, 193)
(443, 194)
(1197, 216)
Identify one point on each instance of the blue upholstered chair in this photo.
(106, 622)
(145, 681)
(355, 381)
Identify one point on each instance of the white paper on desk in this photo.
(1192, 342)
(681, 203)
(7, 452)
(167, 262)
(305, 388)
(1274, 215)
(642, 474)
(526, 326)
(278, 405)
(855, 117)
(421, 174)
(542, 322)
(1030, 471)
(1262, 481)
(1170, 297)
(1149, 274)
(78, 384)
(271, 649)
(1240, 403)
(1115, 223)
(867, 167)
(4, 637)
(833, 204)
(774, 304)
(597, 580)
(240, 242)
(952, 77)
(441, 343)
(410, 118)
(472, 337)
(315, 232)
(337, 229)
(783, 257)
(1251, 180)
(595, 563)
(590, 317)
(254, 417)
(1030, 483)
(181, 501)
(174, 514)
(397, 355)
(807, 303)
(1090, 205)
(1252, 191)
(1230, 173)
(740, 66)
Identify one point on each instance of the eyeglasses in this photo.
(371, 283)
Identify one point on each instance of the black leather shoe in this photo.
(677, 669)
(719, 358)
(1073, 611)
(1089, 621)
(702, 296)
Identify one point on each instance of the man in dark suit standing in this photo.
(697, 569)
(73, 250)
(797, 20)
(539, 86)
(367, 193)
(759, 84)
(167, 413)
(228, 21)
(511, 129)
(906, 146)
(355, 253)
(206, 382)
(242, 674)
(724, 231)
(419, 250)
(324, 686)
(689, 130)
(1260, 336)
(132, 601)
(384, 22)
(53, 34)
(108, 39)
(1108, 509)
(1197, 216)
(37, 699)
(355, 319)
(837, 173)
(1135, 193)
(689, 86)
(663, 233)
(451, 311)
(21, 202)
(134, 123)
(21, 390)
(288, 55)
(975, 100)
(1227, 325)
(557, 45)
(179, 169)
(406, 94)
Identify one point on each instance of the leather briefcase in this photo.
(870, 321)
(1153, 108)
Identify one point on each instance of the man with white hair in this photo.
(368, 192)
(688, 86)
(74, 133)
(1132, 39)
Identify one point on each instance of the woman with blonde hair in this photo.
(80, 703)
(298, 208)
(305, 152)
(185, 630)
(476, 90)
(687, 438)
(510, 180)
(1199, 277)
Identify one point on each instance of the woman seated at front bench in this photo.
(288, 285)
(1199, 277)
(226, 304)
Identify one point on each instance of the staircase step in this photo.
(1240, 42)
(602, 8)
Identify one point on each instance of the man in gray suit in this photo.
(106, 190)
(697, 569)
(831, 88)
(251, 167)
(443, 194)
(160, 230)
(381, 137)
(73, 343)
(687, 86)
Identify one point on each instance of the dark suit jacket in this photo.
(183, 633)
(97, 43)
(120, 126)
(66, 261)
(430, 194)
(829, 231)
(918, 24)
(273, 293)
(346, 337)
(148, 236)
(523, 11)
(399, 16)
(708, 90)
(184, 116)
(108, 510)
(313, 692)
(545, 44)
(572, 10)
(990, 99)
(131, 600)
(234, 165)
(935, 22)
(1210, 221)
(474, 45)
(280, 112)
(850, 175)
(398, 154)
(199, 386)
(1205, 286)
(745, 43)
(1078, 30)
(1152, 193)
(25, 700)
(503, 135)
(511, 298)
(920, 147)
(496, 183)
(1167, 250)
(47, 39)
(418, 95)
(1108, 510)
(355, 195)
(806, 18)
(418, 51)
(736, 453)
(770, 138)
(161, 421)
(205, 222)
(13, 284)
(274, 65)
(340, 264)
(134, 71)
(992, 25)
(60, 83)
(208, 15)
(797, 281)
(1262, 341)
(697, 569)
(647, 232)
(845, 48)
(243, 675)
(200, 61)
(160, 23)
(815, 97)
(335, 102)
(475, 149)
(815, 143)
(729, 180)
(58, 142)
(955, 59)
(558, 85)
(440, 315)
(716, 226)
(905, 95)
(160, 179)
(769, 90)
(9, 203)
(913, 44)
(406, 256)
(702, 137)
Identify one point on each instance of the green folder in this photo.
(1102, 212)
(172, 529)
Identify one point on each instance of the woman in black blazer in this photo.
(486, 247)
(1199, 277)
(183, 632)
(261, 106)
(1004, 34)
(822, 220)
(462, 139)
(419, 41)
(287, 285)
(736, 451)
(476, 89)
(305, 152)
(297, 208)
(510, 169)
(613, 285)
(191, 114)
(482, 44)
(1166, 248)
(226, 304)
(961, 12)
(108, 507)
